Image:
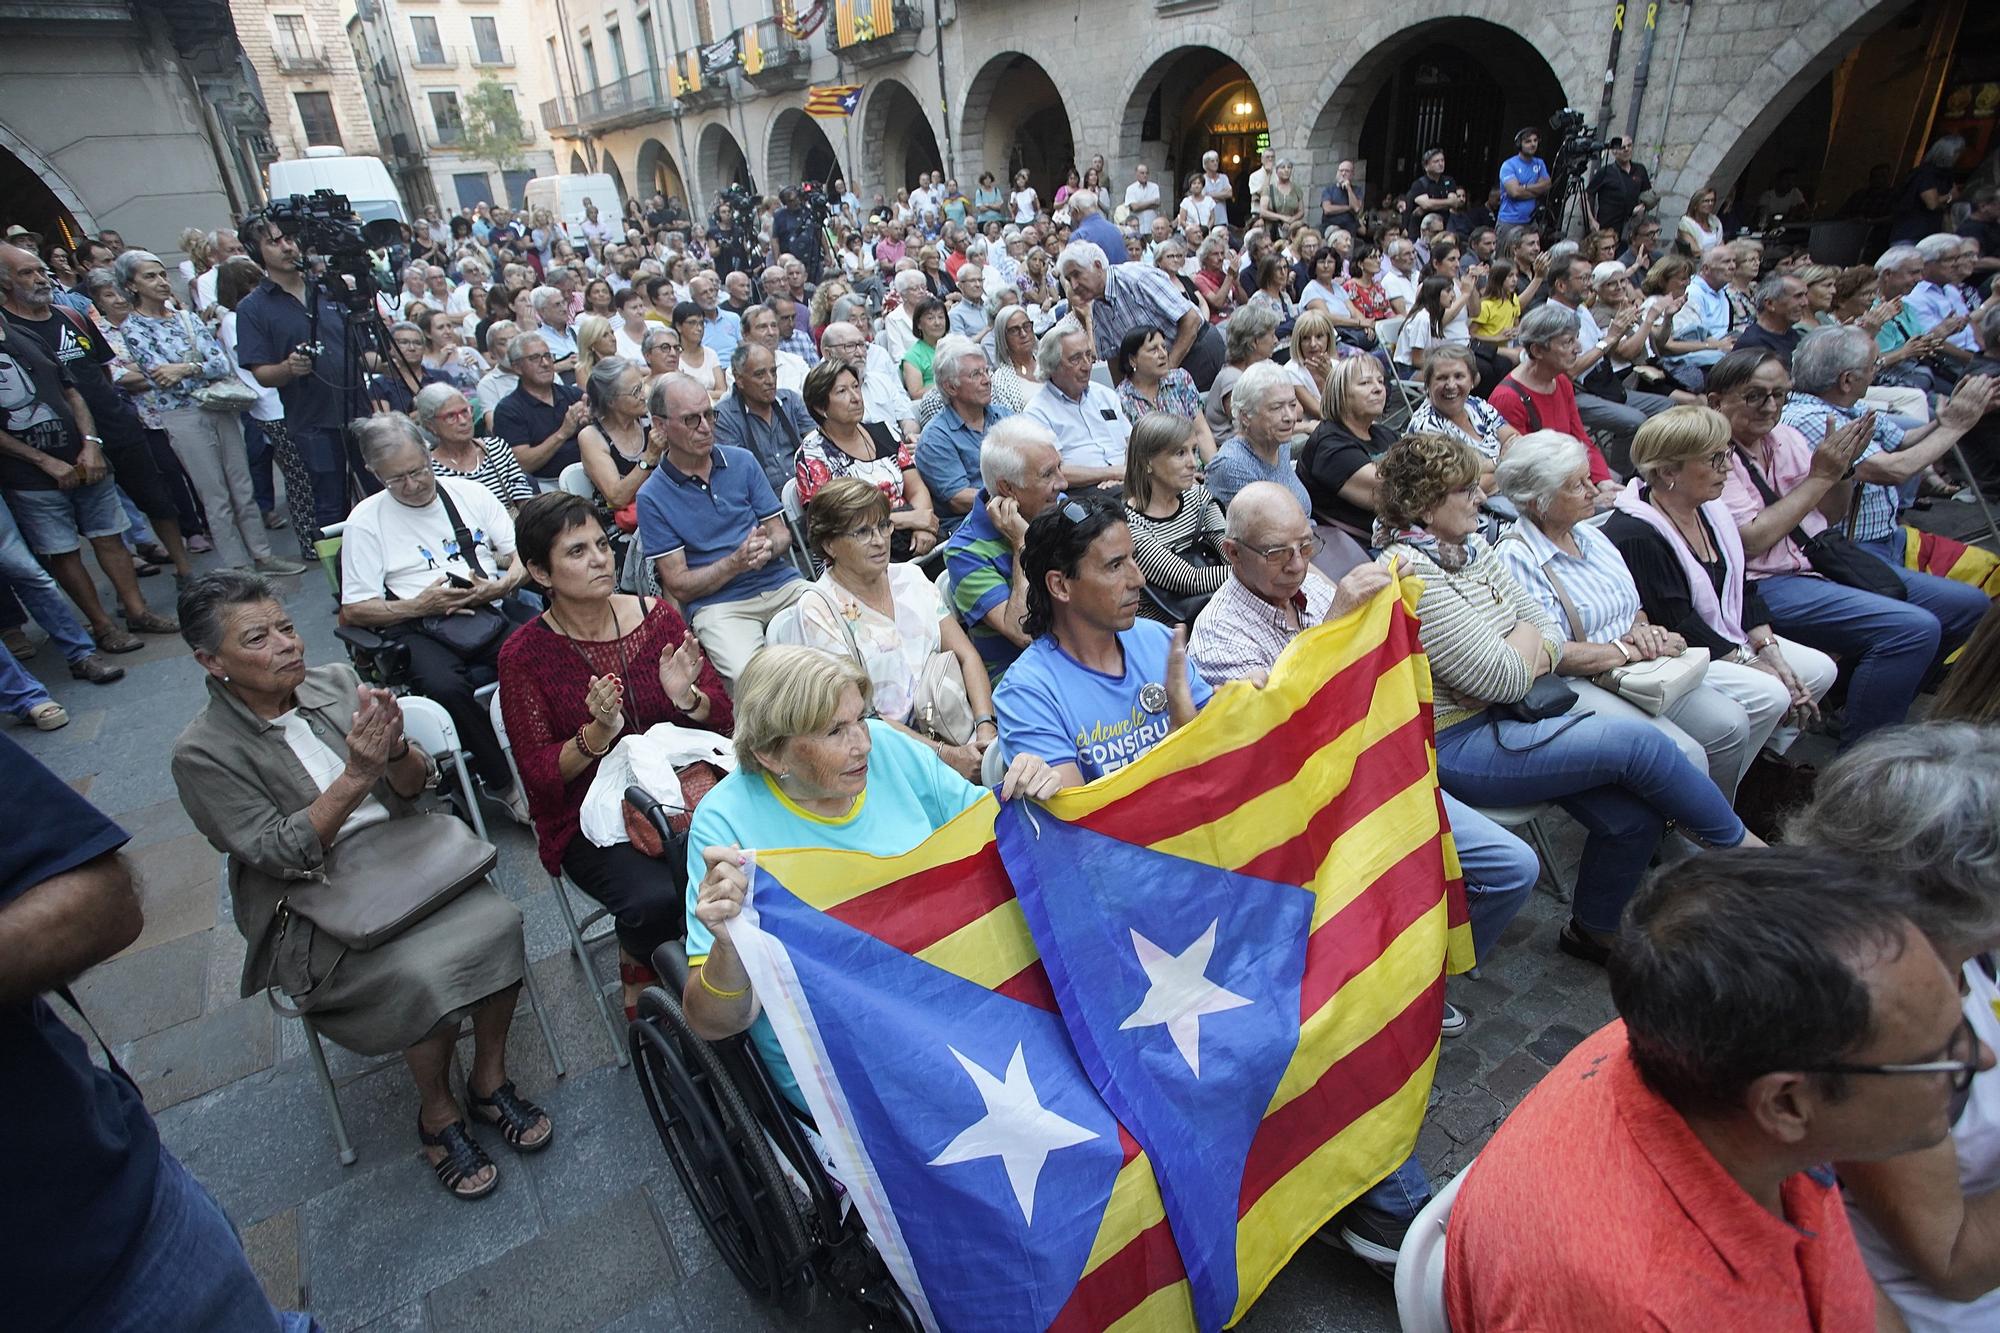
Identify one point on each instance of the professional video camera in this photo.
(817, 200)
(1576, 153)
(328, 232)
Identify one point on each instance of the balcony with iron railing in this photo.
(632, 100)
(870, 32)
(446, 136)
(492, 57)
(301, 59)
(432, 57)
(774, 60)
(559, 117)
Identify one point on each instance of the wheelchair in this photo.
(743, 1156)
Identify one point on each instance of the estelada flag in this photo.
(834, 101)
(1109, 1062)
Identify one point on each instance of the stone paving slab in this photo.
(577, 1277)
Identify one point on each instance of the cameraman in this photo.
(321, 393)
(795, 231)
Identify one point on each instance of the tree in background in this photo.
(493, 128)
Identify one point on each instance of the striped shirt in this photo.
(1599, 585)
(1158, 545)
(1485, 419)
(498, 471)
(981, 564)
(1135, 296)
(1464, 617)
(1875, 505)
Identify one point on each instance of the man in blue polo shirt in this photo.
(714, 530)
(321, 392)
(103, 1227)
(1524, 179)
(948, 450)
(1023, 476)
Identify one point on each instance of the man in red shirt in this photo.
(1777, 1012)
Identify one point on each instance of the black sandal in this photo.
(463, 1159)
(514, 1114)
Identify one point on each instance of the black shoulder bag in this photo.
(1831, 555)
(472, 632)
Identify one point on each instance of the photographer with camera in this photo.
(291, 335)
(795, 229)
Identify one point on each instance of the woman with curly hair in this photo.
(1506, 735)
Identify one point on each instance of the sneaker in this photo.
(1366, 1239)
(19, 644)
(279, 567)
(96, 670)
(199, 544)
(1454, 1020)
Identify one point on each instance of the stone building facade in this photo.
(973, 86)
(306, 67)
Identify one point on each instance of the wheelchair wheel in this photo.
(724, 1162)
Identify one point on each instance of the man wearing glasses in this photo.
(1777, 1012)
(542, 416)
(714, 529)
(1086, 418)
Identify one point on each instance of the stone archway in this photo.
(658, 172)
(609, 166)
(577, 166)
(897, 137)
(1192, 95)
(1015, 117)
(38, 195)
(798, 149)
(720, 162)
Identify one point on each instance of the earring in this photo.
(225, 678)
(1669, 483)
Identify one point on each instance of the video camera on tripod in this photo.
(329, 233)
(1576, 153)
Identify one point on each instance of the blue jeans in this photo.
(186, 1271)
(1395, 1202)
(1892, 644)
(1621, 779)
(20, 571)
(19, 691)
(1500, 872)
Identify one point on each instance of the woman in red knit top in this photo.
(594, 666)
(1538, 394)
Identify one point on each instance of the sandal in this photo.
(636, 974)
(463, 1159)
(152, 622)
(46, 716)
(516, 1116)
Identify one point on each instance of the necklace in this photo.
(617, 642)
(1697, 540)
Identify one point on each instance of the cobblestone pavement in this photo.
(595, 1233)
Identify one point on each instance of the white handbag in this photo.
(1658, 685)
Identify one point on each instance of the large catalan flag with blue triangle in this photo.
(1108, 1062)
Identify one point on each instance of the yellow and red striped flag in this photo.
(1321, 785)
(834, 101)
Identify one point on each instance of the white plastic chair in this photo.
(576, 481)
(1527, 820)
(426, 723)
(795, 519)
(1420, 1265)
(578, 942)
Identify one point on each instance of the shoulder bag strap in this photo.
(110, 1060)
(459, 532)
(1764, 489)
(1556, 584)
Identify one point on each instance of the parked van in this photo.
(563, 196)
(364, 180)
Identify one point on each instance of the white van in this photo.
(564, 195)
(364, 180)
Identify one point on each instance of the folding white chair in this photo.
(576, 481)
(426, 723)
(795, 519)
(559, 885)
(1527, 821)
(1420, 1265)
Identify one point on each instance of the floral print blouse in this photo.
(152, 343)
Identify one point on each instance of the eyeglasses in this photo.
(695, 420)
(405, 478)
(868, 532)
(1284, 555)
(835, 349)
(1716, 461)
(1756, 398)
(452, 414)
(536, 356)
(1964, 1043)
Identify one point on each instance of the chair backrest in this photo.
(795, 509)
(576, 481)
(1420, 1265)
(992, 765)
(500, 734)
(795, 519)
(1388, 330)
(427, 724)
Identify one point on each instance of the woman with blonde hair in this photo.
(596, 339)
(1312, 360)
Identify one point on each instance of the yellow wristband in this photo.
(720, 994)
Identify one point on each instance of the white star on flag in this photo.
(1016, 1128)
(1180, 993)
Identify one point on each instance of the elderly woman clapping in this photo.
(444, 419)
(1538, 394)
(1921, 807)
(1503, 738)
(1581, 582)
(815, 771)
(284, 765)
(619, 447)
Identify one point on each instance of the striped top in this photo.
(1485, 419)
(1465, 617)
(498, 471)
(1599, 585)
(1158, 544)
(981, 565)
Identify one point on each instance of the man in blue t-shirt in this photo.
(103, 1226)
(1524, 179)
(715, 532)
(1097, 687)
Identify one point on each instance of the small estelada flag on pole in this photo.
(836, 101)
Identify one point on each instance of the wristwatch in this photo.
(93, 439)
(985, 718)
(644, 466)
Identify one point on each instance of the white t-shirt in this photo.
(1335, 297)
(1143, 202)
(628, 347)
(1399, 286)
(323, 766)
(406, 549)
(1025, 204)
(1414, 336)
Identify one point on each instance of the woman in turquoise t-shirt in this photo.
(814, 771)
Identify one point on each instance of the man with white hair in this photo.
(1902, 339)
(1938, 302)
(397, 302)
(1021, 477)
(1089, 426)
(1088, 223)
(968, 305)
(1400, 276)
(223, 244)
(897, 335)
(883, 397)
(1142, 199)
(553, 308)
(1701, 329)
(1266, 415)
(497, 383)
(948, 449)
(721, 329)
(1110, 300)
(1273, 594)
